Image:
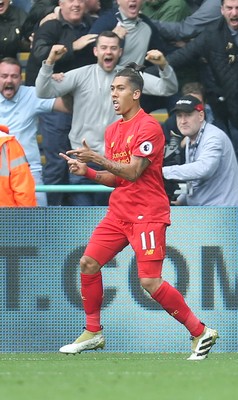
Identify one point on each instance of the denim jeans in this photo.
(54, 128)
(87, 198)
(41, 197)
(233, 133)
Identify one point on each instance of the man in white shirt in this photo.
(19, 110)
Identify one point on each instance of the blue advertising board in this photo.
(41, 308)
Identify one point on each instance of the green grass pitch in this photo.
(117, 376)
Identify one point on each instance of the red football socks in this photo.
(173, 302)
(92, 296)
(166, 295)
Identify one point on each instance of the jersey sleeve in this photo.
(149, 141)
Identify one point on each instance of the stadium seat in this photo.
(160, 115)
(23, 58)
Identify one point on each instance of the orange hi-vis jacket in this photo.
(17, 186)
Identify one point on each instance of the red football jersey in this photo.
(144, 200)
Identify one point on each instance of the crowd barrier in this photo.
(73, 188)
(41, 308)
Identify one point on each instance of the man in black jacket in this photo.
(11, 20)
(41, 8)
(218, 47)
(70, 29)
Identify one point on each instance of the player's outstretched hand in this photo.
(83, 154)
(75, 167)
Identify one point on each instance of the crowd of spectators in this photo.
(91, 83)
(197, 38)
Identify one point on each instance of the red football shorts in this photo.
(147, 240)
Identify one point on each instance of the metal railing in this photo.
(73, 188)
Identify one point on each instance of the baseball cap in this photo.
(188, 104)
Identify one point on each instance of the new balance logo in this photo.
(149, 252)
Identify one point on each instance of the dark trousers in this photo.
(233, 133)
(87, 198)
(54, 128)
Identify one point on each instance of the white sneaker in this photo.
(202, 344)
(86, 341)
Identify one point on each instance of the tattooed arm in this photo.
(130, 172)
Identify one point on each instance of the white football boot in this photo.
(86, 341)
(202, 344)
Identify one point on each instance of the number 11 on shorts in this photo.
(152, 240)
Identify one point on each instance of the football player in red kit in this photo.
(138, 214)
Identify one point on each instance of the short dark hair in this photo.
(132, 71)
(194, 88)
(109, 34)
(11, 61)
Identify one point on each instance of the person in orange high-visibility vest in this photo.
(17, 186)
